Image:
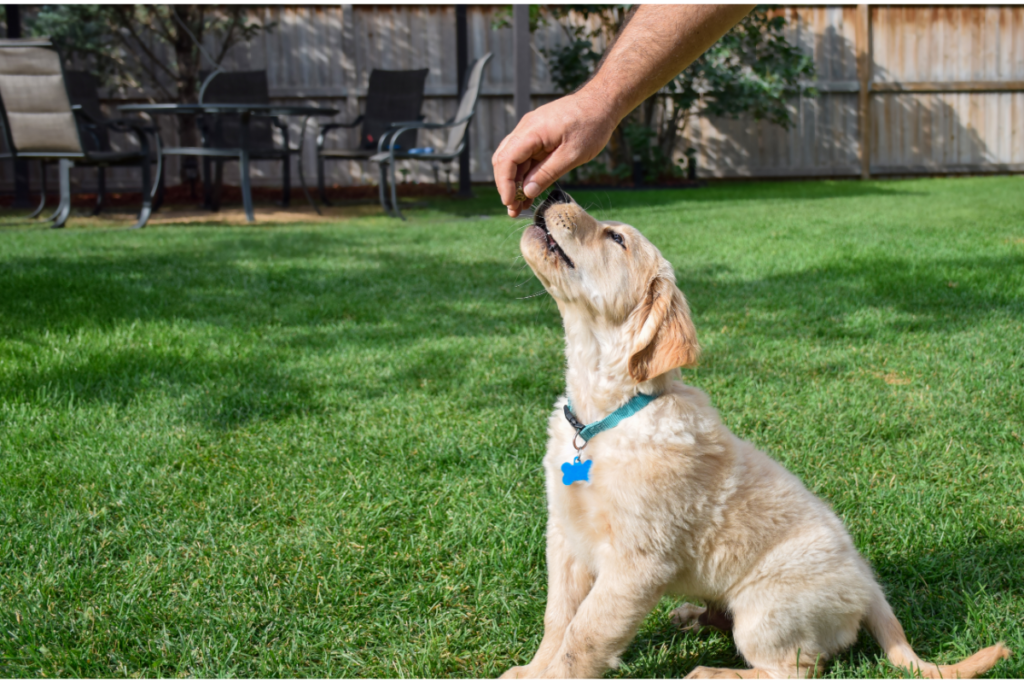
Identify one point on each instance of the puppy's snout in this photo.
(553, 210)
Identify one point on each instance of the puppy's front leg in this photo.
(604, 624)
(568, 584)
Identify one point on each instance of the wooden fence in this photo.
(903, 90)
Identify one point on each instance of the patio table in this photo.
(245, 112)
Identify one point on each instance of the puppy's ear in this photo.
(666, 338)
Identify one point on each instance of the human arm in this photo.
(657, 43)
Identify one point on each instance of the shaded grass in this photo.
(314, 450)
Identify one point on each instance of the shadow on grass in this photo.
(487, 202)
(390, 299)
(813, 302)
(384, 302)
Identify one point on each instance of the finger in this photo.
(514, 150)
(506, 171)
(546, 171)
(517, 204)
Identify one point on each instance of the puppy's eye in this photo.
(617, 238)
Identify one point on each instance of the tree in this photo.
(753, 70)
(133, 46)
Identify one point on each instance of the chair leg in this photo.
(101, 189)
(286, 182)
(320, 180)
(161, 186)
(64, 208)
(383, 186)
(243, 167)
(207, 184)
(305, 190)
(218, 186)
(394, 192)
(42, 190)
(60, 201)
(147, 197)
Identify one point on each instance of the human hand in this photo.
(548, 143)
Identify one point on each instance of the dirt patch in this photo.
(893, 378)
(182, 195)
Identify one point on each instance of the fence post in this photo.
(864, 63)
(462, 66)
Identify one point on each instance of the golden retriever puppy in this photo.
(668, 500)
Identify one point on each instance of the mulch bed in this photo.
(610, 182)
(179, 195)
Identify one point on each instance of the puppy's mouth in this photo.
(553, 245)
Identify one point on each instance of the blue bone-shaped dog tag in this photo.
(576, 471)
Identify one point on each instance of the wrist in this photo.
(609, 100)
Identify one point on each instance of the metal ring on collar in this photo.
(578, 448)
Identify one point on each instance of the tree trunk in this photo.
(188, 59)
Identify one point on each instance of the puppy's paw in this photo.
(687, 616)
(515, 672)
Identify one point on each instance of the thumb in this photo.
(546, 171)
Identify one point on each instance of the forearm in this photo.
(658, 43)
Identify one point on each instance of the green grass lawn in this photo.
(314, 449)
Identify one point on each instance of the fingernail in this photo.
(532, 190)
(511, 212)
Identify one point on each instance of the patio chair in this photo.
(391, 96)
(83, 91)
(458, 131)
(40, 122)
(241, 87)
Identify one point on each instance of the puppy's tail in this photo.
(883, 625)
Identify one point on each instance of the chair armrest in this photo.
(283, 127)
(328, 127)
(77, 110)
(409, 125)
(331, 125)
(123, 125)
(413, 124)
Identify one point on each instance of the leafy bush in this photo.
(753, 70)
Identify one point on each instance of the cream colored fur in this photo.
(677, 504)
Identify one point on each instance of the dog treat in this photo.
(520, 195)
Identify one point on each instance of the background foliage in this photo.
(753, 70)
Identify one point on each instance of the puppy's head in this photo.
(611, 276)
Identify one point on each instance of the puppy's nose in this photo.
(554, 198)
(557, 205)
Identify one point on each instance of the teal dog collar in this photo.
(580, 471)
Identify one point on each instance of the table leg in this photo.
(64, 208)
(302, 175)
(243, 164)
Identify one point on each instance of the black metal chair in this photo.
(392, 96)
(241, 87)
(40, 122)
(83, 91)
(458, 131)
